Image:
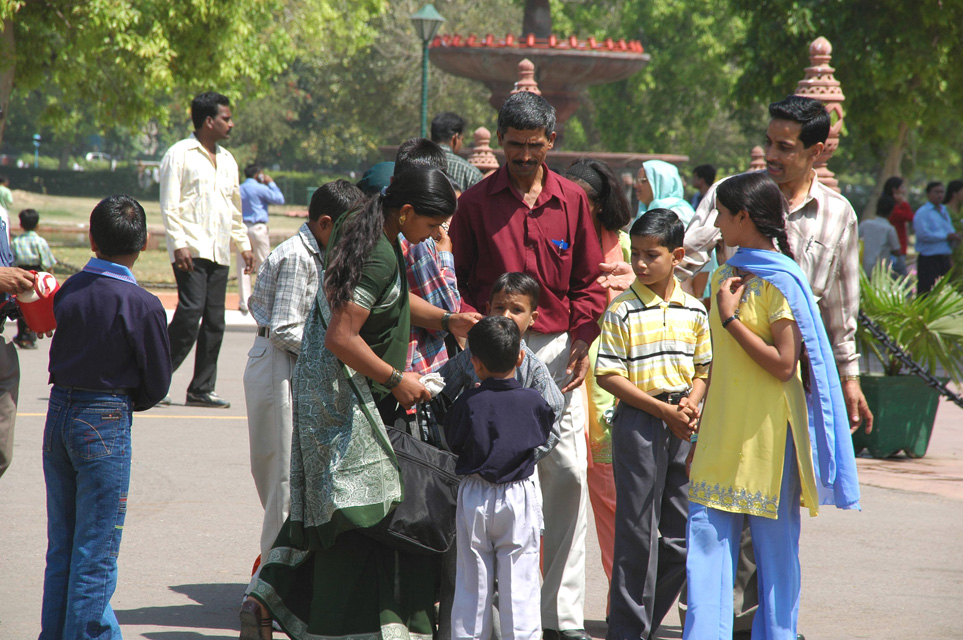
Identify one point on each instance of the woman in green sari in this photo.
(324, 578)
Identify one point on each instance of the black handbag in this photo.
(424, 521)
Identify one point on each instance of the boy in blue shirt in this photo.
(496, 430)
(110, 356)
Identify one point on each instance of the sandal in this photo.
(254, 624)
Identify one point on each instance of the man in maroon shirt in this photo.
(525, 217)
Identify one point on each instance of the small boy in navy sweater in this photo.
(109, 357)
(495, 429)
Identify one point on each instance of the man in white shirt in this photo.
(201, 207)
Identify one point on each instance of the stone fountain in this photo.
(565, 66)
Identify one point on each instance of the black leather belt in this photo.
(264, 332)
(672, 398)
(125, 391)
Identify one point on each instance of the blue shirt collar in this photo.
(110, 270)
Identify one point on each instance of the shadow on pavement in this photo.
(216, 607)
(186, 635)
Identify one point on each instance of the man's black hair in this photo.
(4, 179)
(810, 113)
(885, 205)
(252, 170)
(932, 185)
(118, 225)
(663, 225)
(526, 111)
(334, 199)
(445, 125)
(205, 105)
(419, 152)
(517, 283)
(705, 171)
(496, 342)
(29, 219)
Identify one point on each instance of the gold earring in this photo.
(401, 220)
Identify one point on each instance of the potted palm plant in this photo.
(929, 330)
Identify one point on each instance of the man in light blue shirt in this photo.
(935, 238)
(257, 192)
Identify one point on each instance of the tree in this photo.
(899, 64)
(103, 63)
(681, 101)
(334, 111)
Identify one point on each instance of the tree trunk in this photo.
(8, 50)
(891, 166)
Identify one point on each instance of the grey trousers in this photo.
(651, 509)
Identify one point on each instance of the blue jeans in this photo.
(86, 466)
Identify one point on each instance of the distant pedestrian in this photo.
(6, 202)
(895, 187)
(935, 238)
(257, 192)
(108, 358)
(30, 252)
(448, 130)
(880, 242)
(200, 202)
(953, 201)
(703, 177)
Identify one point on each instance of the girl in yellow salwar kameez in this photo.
(761, 429)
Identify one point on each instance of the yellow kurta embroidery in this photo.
(738, 464)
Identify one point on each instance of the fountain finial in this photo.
(482, 156)
(526, 78)
(820, 84)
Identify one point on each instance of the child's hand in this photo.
(678, 421)
(691, 409)
(728, 296)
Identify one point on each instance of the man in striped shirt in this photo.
(654, 356)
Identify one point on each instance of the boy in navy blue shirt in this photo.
(110, 356)
(496, 430)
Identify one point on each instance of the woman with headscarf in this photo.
(659, 185)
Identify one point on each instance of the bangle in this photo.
(694, 438)
(444, 321)
(728, 321)
(393, 380)
(848, 378)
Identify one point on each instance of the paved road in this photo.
(895, 570)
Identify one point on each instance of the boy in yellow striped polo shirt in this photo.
(654, 356)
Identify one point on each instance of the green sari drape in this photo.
(323, 579)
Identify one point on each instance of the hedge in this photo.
(295, 185)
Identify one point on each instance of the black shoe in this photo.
(568, 634)
(25, 344)
(209, 399)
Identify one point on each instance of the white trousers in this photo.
(267, 391)
(260, 247)
(498, 527)
(562, 476)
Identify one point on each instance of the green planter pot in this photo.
(904, 410)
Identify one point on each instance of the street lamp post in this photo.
(426, 23)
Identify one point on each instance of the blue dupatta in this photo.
(832, 444)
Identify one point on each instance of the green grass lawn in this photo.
(63, 222)
(152, 267)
